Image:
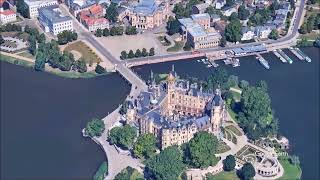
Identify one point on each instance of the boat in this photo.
(303, 55)
(209, 65)
(285, 56)
(263, 62)
(227, 61)
(235, 62)
(198, 60)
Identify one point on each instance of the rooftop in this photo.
(146, 7)
(200, 16)
(53, 13)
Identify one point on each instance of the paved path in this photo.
(18, 56)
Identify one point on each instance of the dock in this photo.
(285, 56)
(299, 56)
(211, 60)
(303, 55)
(279, 56)
(263, 61)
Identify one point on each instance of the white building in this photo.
(53, 21)
(247, 34)
(34, 5)
(263, 32)
(7, 16)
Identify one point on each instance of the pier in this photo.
(303, 55)
(299, 56)
(279, 56)
(285, 56)
(263, 61)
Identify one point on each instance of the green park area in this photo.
(291, 171)
(225, 176)
(177, 46)
(79, 48)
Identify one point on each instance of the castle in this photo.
(175, 109)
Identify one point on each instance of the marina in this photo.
(299, 56)
(275, 52)
(302, 54)
(285, 56)
(235, 62)
(262, 61)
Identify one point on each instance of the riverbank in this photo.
(65, 74)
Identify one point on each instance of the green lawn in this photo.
(26, 54)
(232, 114)
(234, 130)
(222, 147)
(87, 53)
(177, 46)
(291, 172)
(16, 61)
(226, 176)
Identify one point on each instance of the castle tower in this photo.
(216, 112)
(171, 79)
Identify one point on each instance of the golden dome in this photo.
(171, 77)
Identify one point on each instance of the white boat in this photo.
(209, 65)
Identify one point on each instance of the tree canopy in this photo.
(95, 127)
(67, 36)
(129, 173)
(247, 172)
(101, 172)
(273, 34)
(173, 26)
(233, 31)
(123, 136)
(243, 13)
(201, 149)
(166, 165)
(218, 78)
(145, 146)
(229, 163)
(112, 12)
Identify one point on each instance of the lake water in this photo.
(294, 91)
(42, 116)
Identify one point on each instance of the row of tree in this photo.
(139, 53)
(67, 36)
(116, 31)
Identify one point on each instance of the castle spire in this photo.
(172, 68)
(151, 75)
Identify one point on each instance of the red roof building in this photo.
(7, 16)
(93, 18)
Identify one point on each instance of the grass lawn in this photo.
(236, 96)
(234, 130)
(16, 61)
(309, 36)
(226, 176)
(177, 46)
(232, 114)
(291, 172)
(26, 54)
(86, 52)
(222, 147)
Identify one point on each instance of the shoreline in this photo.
(63, 74)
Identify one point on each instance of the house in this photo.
(93, 18)
(227, 11)
(247, 33)
(199, 8)
(76, 6)
(7, 16)
(202, 19)
(263, 32)
(34, 5)
(220, 4)
(53, 21)
(220, 26)
(214, 18)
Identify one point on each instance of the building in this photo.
(34, 5)
(7, 16)
(198, 33)
(76, 6)
(174, 110)
(148, 14)
(220, 4)
(53, 21)
(93, 18)
(247, 33)
(263, 32)
(227, 11)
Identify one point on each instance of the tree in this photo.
(303, 28)
(99, 32)
(223, 41)
(209, 176)
(243, 84)
(233, 31)
(22, 8)
(100, 70)
(247, 171)
(233, 17)
(106, 32)
(101, 172)
(211, 11)
(123, 137)
(41, 38)
(173, 26)
(1, 39)
(294, 160)
(124, 55)
(229, 163)
(80, 65)
(138, 53)
(200, 150)
(316, 43)
(273, 34)
(144, 52)
(112, 12)
(151, 52)
(95, 127)
(166, 165)
(292, 4)
(187, 46)
(233, 81)
(32, 45)
(131, 54)
(180, 11)
(131, 30)
(67, 36)
(129, 173)
(145, 146)
(124, 108)
(40, 62)
(218, 78)
(243, 13)
(230, 2)
(116, 30)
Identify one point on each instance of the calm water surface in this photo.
(294, 90)
(42, 116)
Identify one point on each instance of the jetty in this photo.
(275, 52)
(211, 61)
(262, 61)
(285, 56)
(299, 56)
(303, 55)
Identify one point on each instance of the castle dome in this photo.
(171, 77)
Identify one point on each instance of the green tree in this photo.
(138, 53)
(166, 165)
(66, 36)
(99, 33)
(187, 46)
(201, 149)
(229, 163)
(22, 8)
(233, 81)
(223, 41)
(1, 39)
(42, 38)
(233, 17)
(129, 173)
(124, 55)
(273, 34)
(101, 172)
(243, 13)
(233, 31)
(106, 32)
(32, 45)
(40, 61)
(243, 84)
(230, 2)
(145, 146)
(180, 11)
(211, 11)
(123, 136)
(80, 65)
(247, 171)
(95, 127)
(100, 70)
(151, 52)
(144, 52)
(209, 176)
(131, 30)
(218, 78)
(112, 12)
(173, 26)
(131, 54)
